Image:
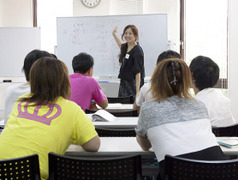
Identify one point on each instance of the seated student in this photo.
(173, 122)
(13, 92)
(144, 95)
(205, 74)
(45, 121)
(84, 88)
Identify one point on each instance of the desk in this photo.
(128, 145)
(119, 146)
(120, 122)
(117, 106)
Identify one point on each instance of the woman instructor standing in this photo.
(131, 58)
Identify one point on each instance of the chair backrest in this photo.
(226, 131)
(183, 168)
(107, 132)
(122, 100)
(68, 168)
(20, 168)
(117, 112)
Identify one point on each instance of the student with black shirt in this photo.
(131, 58)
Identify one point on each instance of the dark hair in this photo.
(124, 46)
(171, 77)
(82, 63)
(53, 55)
(205, 72)
(49, 79)
(168, 54)
(30, 58)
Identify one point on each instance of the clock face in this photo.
(90, 3)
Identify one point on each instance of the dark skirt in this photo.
(128, 88)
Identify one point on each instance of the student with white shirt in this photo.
(144, 94)
(205, 74)
(13, 92)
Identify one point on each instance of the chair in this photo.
(183, 168)
(106, 132)
(117, 112)
(122, 100)
(226, 131)
(116, 168)
(20, 168)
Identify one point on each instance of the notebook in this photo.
(229, 143)
(102, 115)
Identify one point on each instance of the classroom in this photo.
(62, 27)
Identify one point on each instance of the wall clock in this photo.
(90, 3)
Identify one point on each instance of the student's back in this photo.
(205, 73)
(84, 88)
(144, 93)
(173, 122)
(45, 121)
(13, 92)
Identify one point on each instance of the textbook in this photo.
(102, 115)
(229, 143)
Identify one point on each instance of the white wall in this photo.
(233, 55)
(103, 8)
(16, 13)
(13, 13)
(172, 8)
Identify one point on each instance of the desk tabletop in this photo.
(129, 144)
(118, 106)
(114, 144)
(120, 122)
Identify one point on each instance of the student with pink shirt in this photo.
(84, 88)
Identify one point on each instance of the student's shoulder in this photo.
(146, 86)
(70, 105)
(62, 100)
(150, 104)
(17, 90)
(17, 86)
(91, 80)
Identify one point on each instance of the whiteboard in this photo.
(93, 35)
(15, 44)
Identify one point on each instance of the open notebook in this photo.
(102, 115)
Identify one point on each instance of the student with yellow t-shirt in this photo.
(45, 121)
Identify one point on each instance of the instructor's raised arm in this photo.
(117, 39)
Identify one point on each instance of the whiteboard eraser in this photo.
(7, 80)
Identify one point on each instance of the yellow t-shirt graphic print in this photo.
(45, 118)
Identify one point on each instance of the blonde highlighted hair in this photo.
(171, 77)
